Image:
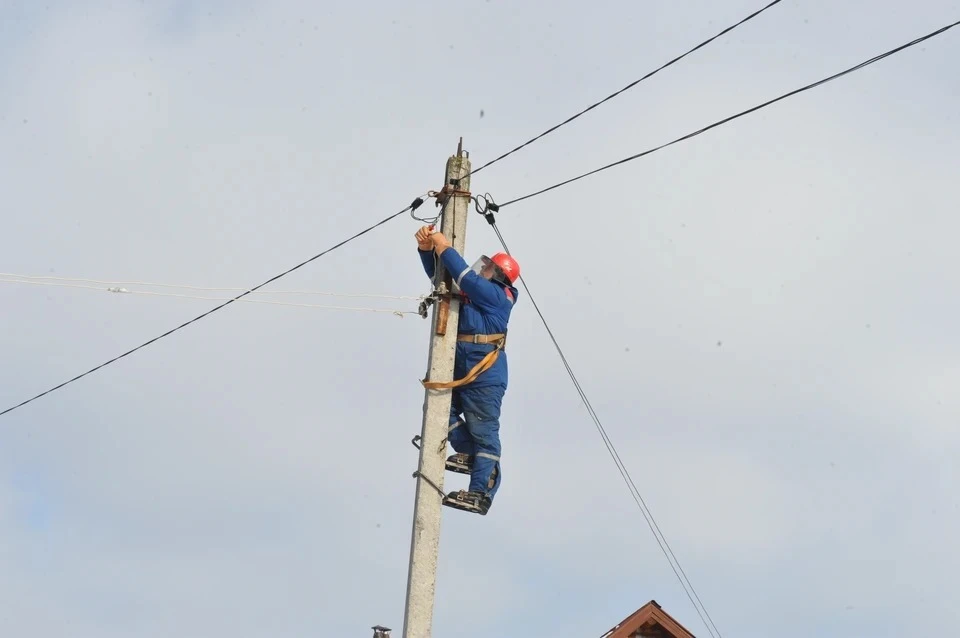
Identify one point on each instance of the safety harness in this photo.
(499, 340)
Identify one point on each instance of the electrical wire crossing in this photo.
(634, 492)
(726, 120)
(626, 88)
(410, 208)
(417, 202)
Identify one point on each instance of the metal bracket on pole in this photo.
(444, 315)
(431, 483)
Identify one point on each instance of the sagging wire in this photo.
(48, 281)
(731, 118)
(152, 293)
(487, 210)
(629, 86)
(412, 206)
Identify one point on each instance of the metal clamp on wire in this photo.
(448, 189)
(416, 204)
(489, 207)
(424, 305)
(440, 292)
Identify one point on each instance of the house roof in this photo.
(650, 621)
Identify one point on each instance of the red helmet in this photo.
(508, 265)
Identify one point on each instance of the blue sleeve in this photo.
(483, 292)
(428, 258)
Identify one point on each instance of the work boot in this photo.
(474, 502)
(460, 463)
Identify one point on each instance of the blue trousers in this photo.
(478, 433)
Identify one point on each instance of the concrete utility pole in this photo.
(425, 542)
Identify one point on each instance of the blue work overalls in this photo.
(485, 309)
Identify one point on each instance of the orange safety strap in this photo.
(482, 366)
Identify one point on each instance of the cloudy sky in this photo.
(764, 317)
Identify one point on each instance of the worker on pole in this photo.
(480, 367)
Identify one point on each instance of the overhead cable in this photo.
(738, 115)
(109, 282)
(152, 293)
(647, 514)
(627, 87)
(412, 206)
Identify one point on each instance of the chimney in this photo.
(381, 632)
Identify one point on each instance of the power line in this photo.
(627, 87)
(412, 206)
(647, 514)
(419, 201)
(40, 278)
(738, 115)
(151, 293)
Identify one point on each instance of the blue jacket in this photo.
(485, 309)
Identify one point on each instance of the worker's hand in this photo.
(440, 242)
(424, 240)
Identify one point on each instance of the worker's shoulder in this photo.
(507, 293)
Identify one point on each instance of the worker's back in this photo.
(484, 310)
(484, 318)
